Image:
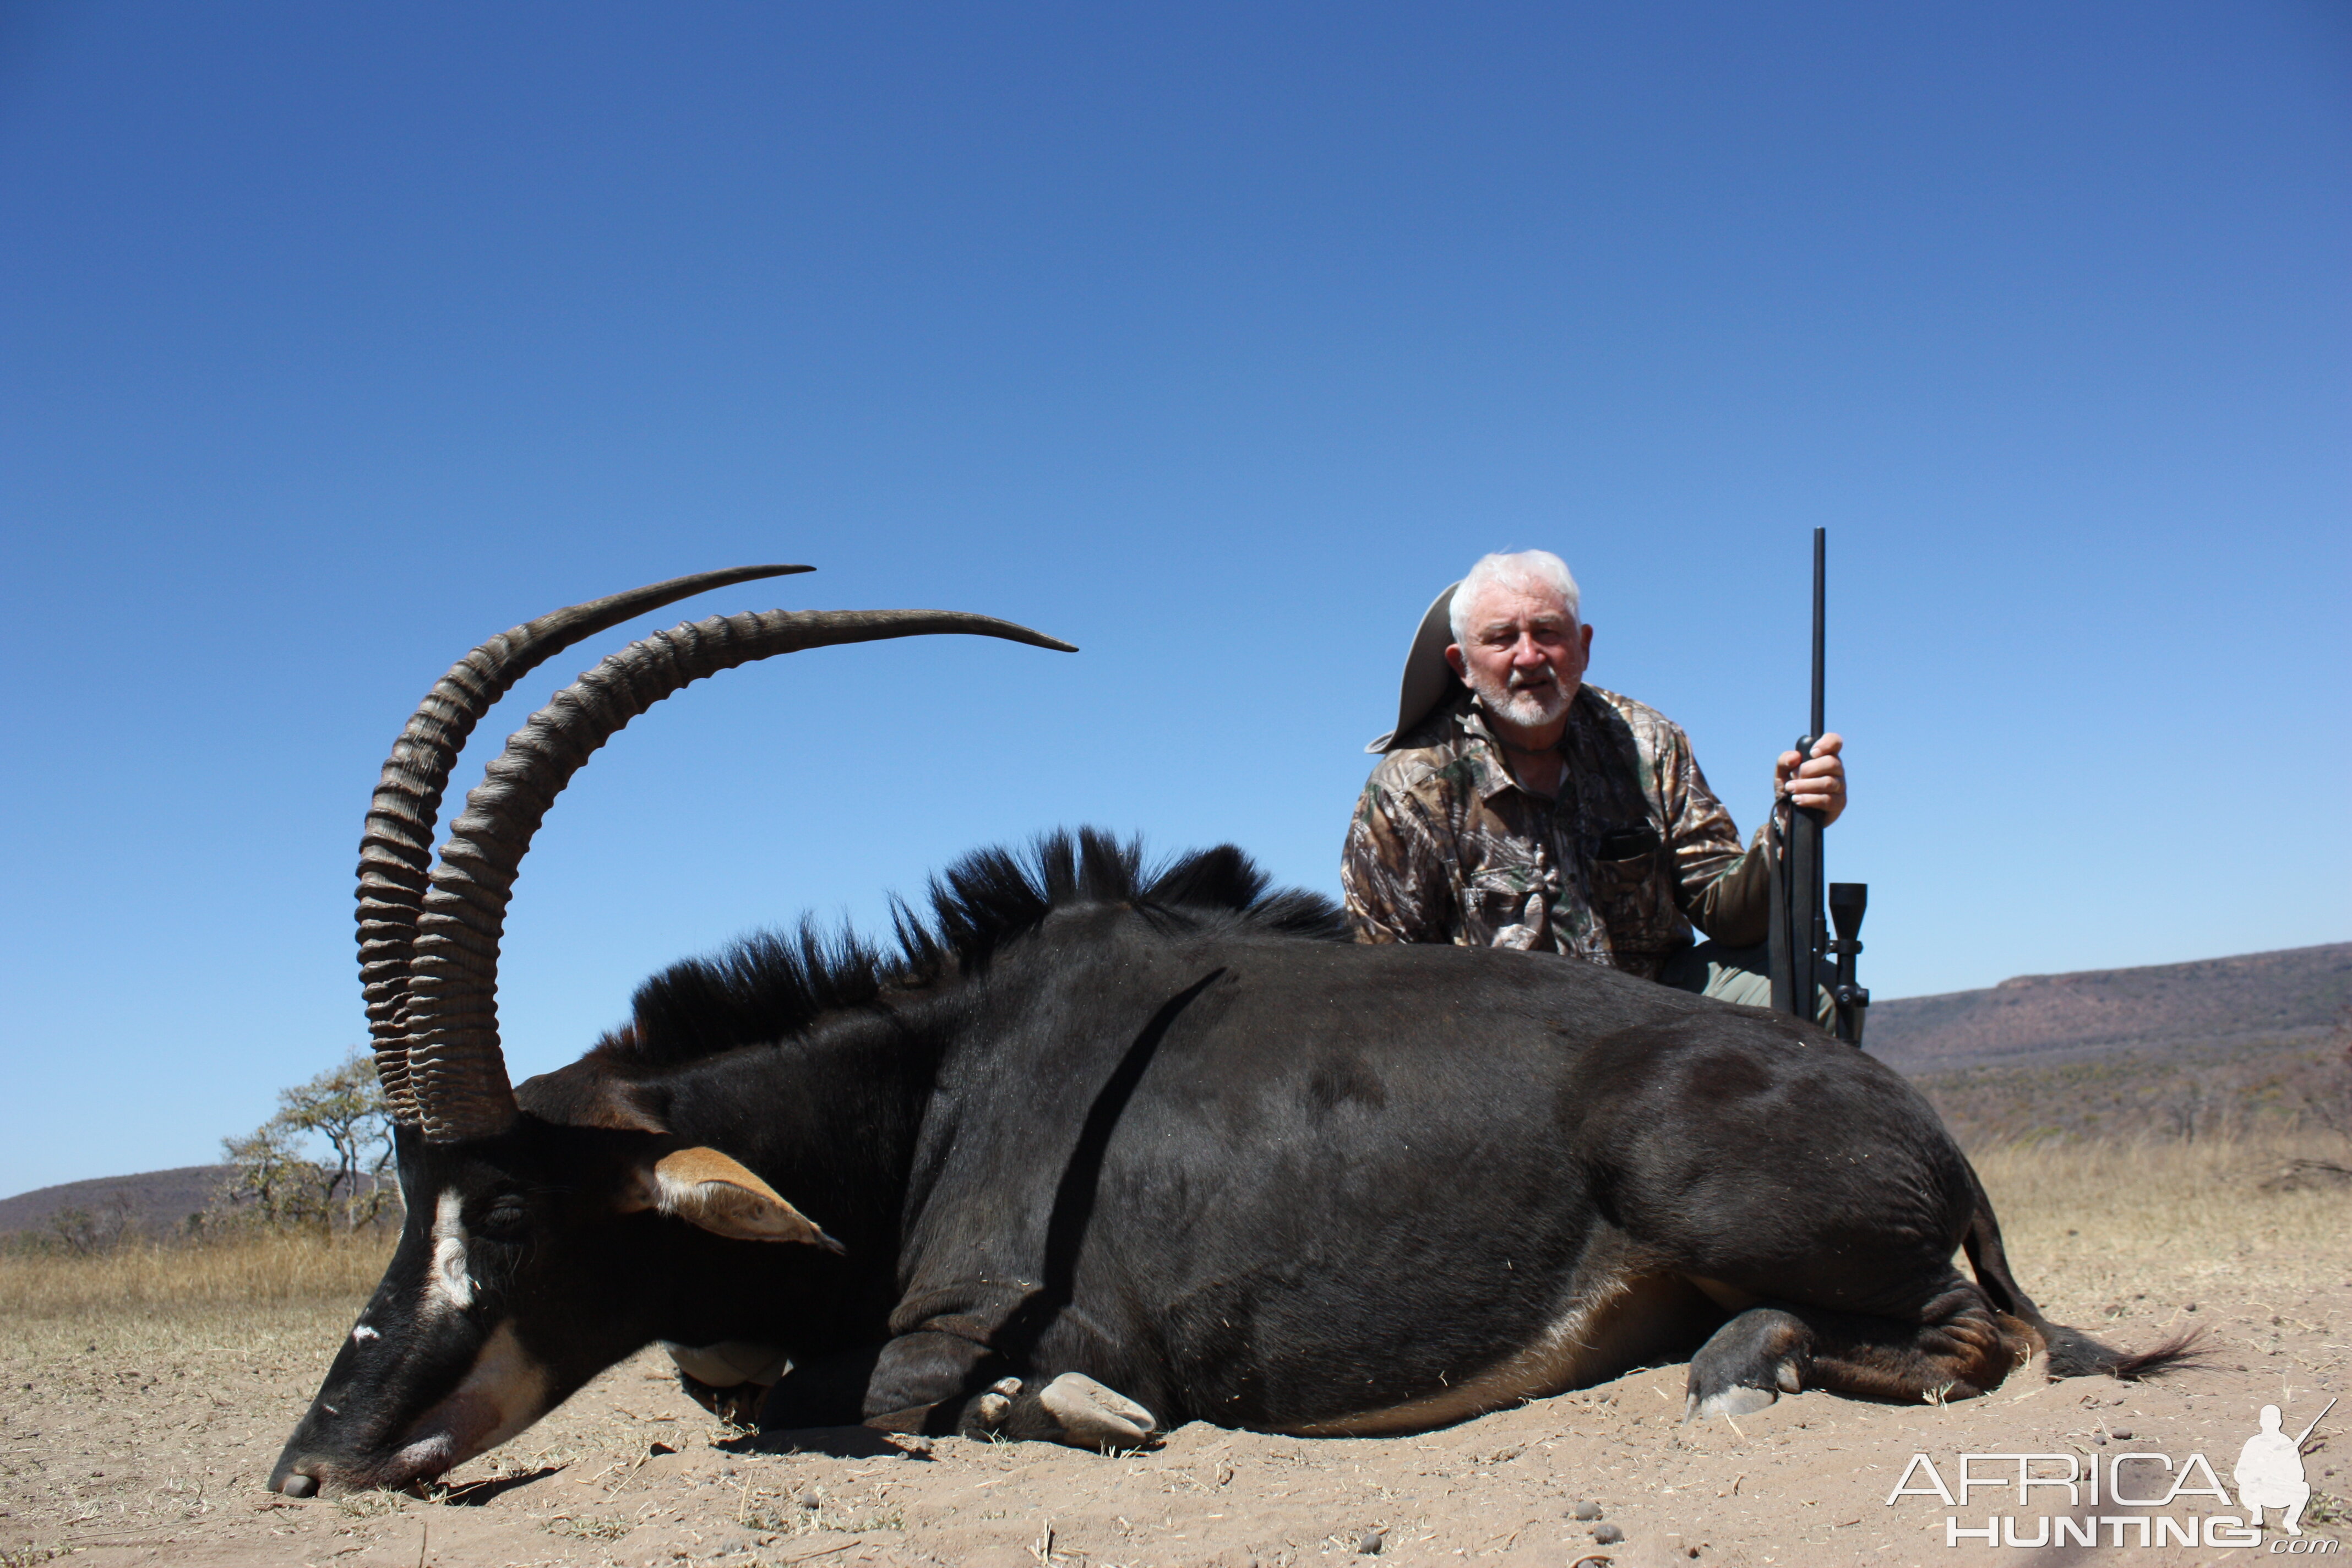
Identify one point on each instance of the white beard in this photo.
(1530, 710)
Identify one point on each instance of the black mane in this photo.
(774, 984)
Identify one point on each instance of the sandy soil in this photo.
(144, 1440)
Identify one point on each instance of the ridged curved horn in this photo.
(396, 848)
(456, 1068)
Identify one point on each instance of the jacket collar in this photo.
(1482, 752)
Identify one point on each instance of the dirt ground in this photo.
(143, 1437)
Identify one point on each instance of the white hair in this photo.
(1526, 568)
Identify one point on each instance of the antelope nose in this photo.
(290, 1482)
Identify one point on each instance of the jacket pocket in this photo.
(1622, 859)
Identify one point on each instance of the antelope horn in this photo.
(455, 1070)
(396, 848)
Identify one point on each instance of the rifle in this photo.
(1803, 950)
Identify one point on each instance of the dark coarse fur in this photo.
(771, 986)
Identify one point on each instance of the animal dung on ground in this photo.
(1373, 1540)
(1587, 1510)
(1607, 1535)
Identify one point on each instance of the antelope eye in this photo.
(505, 1220)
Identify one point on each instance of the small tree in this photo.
(270, 1181)
(279, 1182)
(345, 1107)
(2330, 1103)
(86, 1233)
(2186, 1107)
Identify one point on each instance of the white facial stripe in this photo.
(448, 1285)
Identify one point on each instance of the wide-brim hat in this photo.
(1428, 679)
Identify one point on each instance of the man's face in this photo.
(1526, 655)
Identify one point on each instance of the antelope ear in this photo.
(704, 1187)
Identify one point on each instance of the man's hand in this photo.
(1816, 783)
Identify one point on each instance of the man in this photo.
(1519, 808)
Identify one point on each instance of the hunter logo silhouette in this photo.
(2270, 1472)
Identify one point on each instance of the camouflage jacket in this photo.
(1446, 846)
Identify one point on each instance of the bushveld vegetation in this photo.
(307, 1214)
(321, 1164)
(2246, 1090)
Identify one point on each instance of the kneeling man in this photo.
(1517, 807)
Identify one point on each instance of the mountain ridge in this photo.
(2289, 994)
(159, 1199)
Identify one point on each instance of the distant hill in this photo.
(2298, 993)
(160, 1199)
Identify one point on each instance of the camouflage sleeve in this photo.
(1736, 909)
(1712, 878)
(1393, 872)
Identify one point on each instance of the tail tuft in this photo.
(2074, 1354)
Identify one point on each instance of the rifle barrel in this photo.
(1820, 621)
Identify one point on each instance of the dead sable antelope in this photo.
(1096, 1151)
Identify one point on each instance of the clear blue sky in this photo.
(1213, 338)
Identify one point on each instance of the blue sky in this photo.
(1213, 338)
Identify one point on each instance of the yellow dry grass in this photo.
(288, 1270)
(2205, 1197)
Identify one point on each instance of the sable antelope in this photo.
(1098, 1149)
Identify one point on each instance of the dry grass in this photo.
(2205, 1197)
(2138, 1242)
(259, 1270)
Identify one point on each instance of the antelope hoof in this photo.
(1092, 1416)
(1748, 1364)
(992, 1407)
